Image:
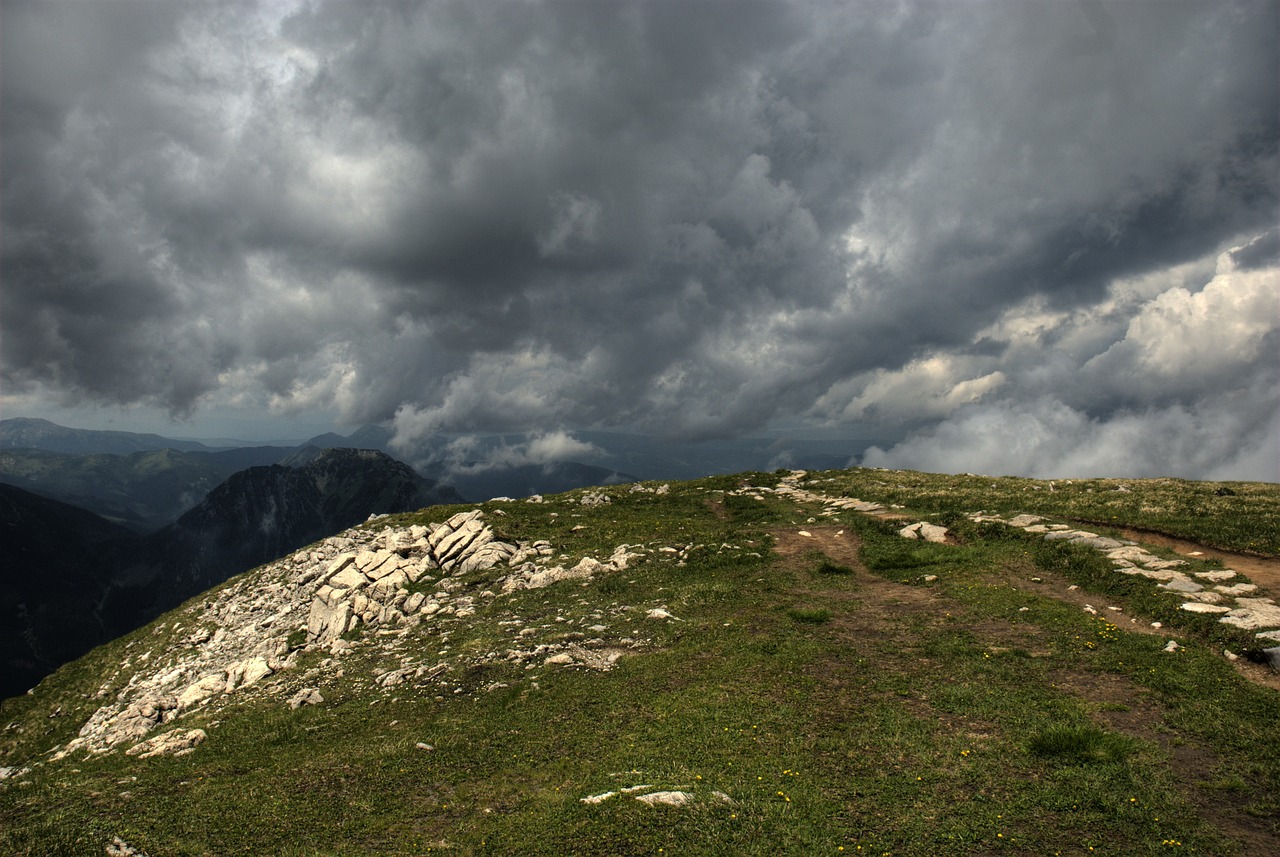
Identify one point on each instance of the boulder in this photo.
(328, 619)
(924, 530)
(306, 696)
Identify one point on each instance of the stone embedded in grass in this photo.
(671, 798)
(1254, 614)
(924, 530)
(1180, 584)
(600, 798)
(1201, 607)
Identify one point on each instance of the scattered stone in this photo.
(660, 613)
(1171, 646)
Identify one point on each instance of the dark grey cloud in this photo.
(696, 218)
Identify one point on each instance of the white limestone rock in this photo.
(176, 742)
(306, 696)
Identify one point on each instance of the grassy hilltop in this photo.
(809, 680)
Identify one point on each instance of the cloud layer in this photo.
(980, 228)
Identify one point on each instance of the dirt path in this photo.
(1115, 701)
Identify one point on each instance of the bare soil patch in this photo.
(1125, 707)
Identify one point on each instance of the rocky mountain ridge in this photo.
(251, 630)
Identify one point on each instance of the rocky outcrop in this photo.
(245, 636)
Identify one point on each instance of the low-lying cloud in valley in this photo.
(1014, 237)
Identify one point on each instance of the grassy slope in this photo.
(844, 704)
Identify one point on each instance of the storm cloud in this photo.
(1015, 237)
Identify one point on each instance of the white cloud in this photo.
(1048, 439)
(1185, 341)
(925, 389)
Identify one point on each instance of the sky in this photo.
(1030, 237)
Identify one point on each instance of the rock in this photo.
(1025, 520)
(348, 578)
(1238, 589)
(1180, 584)
(117, 847)
(306, 696)
(391, 563)
(660, 613)
(1171, 646)
(1101, 543)
(202, 689)
(1254, 614)
(597, 499)
(924, 530)
(1201, 607)
(665, 798)
(328, 619)
(245, 673)
(561, 659)
(1216, 576)
(176, 742)
(337, 564)
(1131, 553)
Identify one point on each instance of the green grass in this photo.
(839, 702)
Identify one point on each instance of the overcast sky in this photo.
(1008, 237)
